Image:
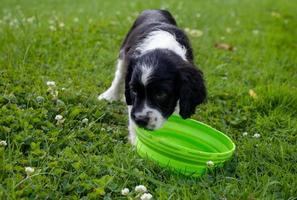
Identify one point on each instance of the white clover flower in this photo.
(275, 14)
(146, 196)
(125, 191)
(228, 30)
(29, 170)
(140, 189)
(187, 30)
(196, 33)
(31, 19)
(244, 133)
(51, 83)
(61, 25)
(52, 28)
(3, 143)
(253, 94)
(11, 24)
(85, 121)
(210, 163)
(256, 135)
(58, 117)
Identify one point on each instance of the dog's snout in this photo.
(141, 120)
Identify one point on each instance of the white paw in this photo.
(109, 95)
(132, 140)
(132, 134)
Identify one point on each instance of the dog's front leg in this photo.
(115, 91)
(131, 128)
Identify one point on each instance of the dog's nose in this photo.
(141, 120)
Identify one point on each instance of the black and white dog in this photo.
(155, 68)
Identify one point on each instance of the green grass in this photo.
(94, 160)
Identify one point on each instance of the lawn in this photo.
(252, 89)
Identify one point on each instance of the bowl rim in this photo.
(186, 150)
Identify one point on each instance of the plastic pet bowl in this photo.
(185, 146)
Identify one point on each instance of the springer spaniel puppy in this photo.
(156, 72)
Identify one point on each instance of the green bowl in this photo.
(185, 146)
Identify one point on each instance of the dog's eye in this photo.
(161, 96)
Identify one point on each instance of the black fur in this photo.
(147, 22)
(164, 79)
(192, 91)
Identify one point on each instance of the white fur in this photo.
(114, 92)
(177, 108)
(146, 73)
(162, 40)
(131, 128)
(156, 120)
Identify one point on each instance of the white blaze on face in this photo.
(146, 72)
(156, 120)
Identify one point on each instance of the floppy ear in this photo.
(192, 90)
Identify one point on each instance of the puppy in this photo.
(155, 70)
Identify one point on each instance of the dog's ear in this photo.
(192, 90)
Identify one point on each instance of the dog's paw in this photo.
(132, 140)
(109, 95)
(132, 135)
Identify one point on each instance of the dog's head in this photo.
(159, 83)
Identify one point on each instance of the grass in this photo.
(75, 160)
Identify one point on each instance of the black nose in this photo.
(141, 120)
